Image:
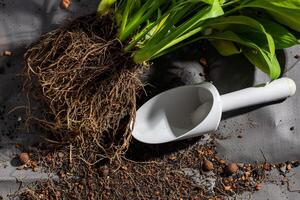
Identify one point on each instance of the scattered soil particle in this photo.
(292, 128)
(295, 164)
(148, 179)
(227, 187)
(65, 4)
(203, 61)
(258, 187)
(222, 162)
(24, 158)
(297, 56)
(7, 53)
(289, 167)
(267, 166)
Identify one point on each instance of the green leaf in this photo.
(261, 58)
(131, 24)
(225, 48)
(282, 37)
(169, 35)
(240, 23)
(222, 2)
(287, 12)
(105, 5)
(208, 1)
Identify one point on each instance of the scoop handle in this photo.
(275, 90)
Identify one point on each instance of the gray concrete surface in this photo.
(264, 129)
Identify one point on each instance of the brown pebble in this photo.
(258, 187)
(232, 168)
(24, 158)
(7, 53)
(297, 56)
(65, 4)
(157, 193)
(208, 165)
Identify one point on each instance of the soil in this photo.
(170, 171)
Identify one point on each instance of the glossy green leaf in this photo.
(131, 24)
(225, 48)
(282, 37)
(169, 37)
(286, 12)
(237, 23)
(261, 58)
(156, 27)
(105, 5)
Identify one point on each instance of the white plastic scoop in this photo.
(193, 110)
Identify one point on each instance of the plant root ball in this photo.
(87, 83)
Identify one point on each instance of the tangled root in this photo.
(87, 84)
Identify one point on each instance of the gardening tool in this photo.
(192, 110)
